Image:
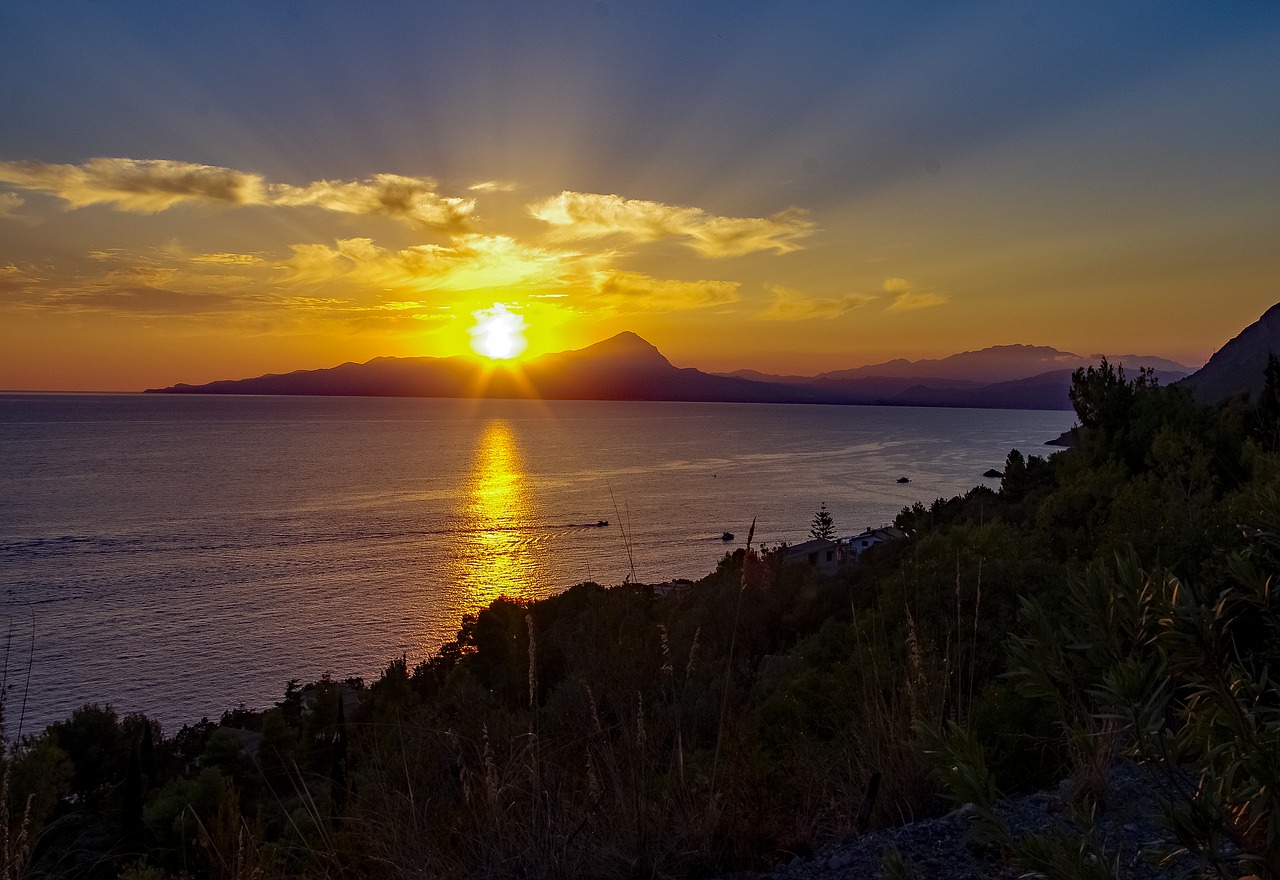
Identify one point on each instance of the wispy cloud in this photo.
(148, 300)
(473, 262)
(494, 186)
(14, 278)
(175, 251)
(403, 305)
(498, 263)
(791, 305)
(228, 278)
(356, 278)
(130, 288)
(228, 259)
(10, 203)
(146, 186)
(592, 215)
(907, 298)
(153, 185)
(411, 199)
(629, 292)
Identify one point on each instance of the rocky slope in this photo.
(1237, 367)
(1126, 829)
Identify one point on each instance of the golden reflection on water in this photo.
(498, 555)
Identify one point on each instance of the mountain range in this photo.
(626, 367)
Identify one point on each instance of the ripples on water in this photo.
(178, 555)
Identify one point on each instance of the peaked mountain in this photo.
(624, 367)
(1237, 367)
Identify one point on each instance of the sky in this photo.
(191, 192)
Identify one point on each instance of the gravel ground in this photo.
(1127, 828)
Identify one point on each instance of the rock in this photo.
(1066, 439)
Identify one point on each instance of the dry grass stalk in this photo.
(15, 843)
(533, 661)
(693, 653)
(915, 666)
(491, 786)
(640, 733)
(595, 711)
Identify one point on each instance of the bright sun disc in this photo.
(498, 332)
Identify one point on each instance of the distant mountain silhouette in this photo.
(998, 363)
(1045, 391)
(1237, 367)
(626, 367)
(999, 377)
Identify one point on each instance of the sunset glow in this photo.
(780, 190)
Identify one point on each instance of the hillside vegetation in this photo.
(1114, 599)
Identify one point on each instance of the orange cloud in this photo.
(473, 262)
(791, 305)
(411, 199)
(14, 278)
(592, 215)
(907, 298)
(227, 259)
(494, 186)
(128, 287)
(145, 186)
(152, 185)
(636, 292)
(10, 203)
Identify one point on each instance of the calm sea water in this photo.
(181, 554)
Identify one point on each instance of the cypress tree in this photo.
(823, 525)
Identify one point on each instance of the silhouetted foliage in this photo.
(1267, 420)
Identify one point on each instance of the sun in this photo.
(498, 332)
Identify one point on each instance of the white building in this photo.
(859, 544)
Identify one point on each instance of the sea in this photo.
(181, 555)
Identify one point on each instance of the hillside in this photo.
(1237, 367)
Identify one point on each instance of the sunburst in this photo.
(498, 332)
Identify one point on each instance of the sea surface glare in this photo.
(178, 555)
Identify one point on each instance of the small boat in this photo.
(904, 479)
(602, 523)
(727, 536)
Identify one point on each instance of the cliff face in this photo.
(1237, 367)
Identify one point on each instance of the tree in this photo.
(1268, 409)
(1103, 398)
(823, 526)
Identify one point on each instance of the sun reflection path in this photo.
(498, 555)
